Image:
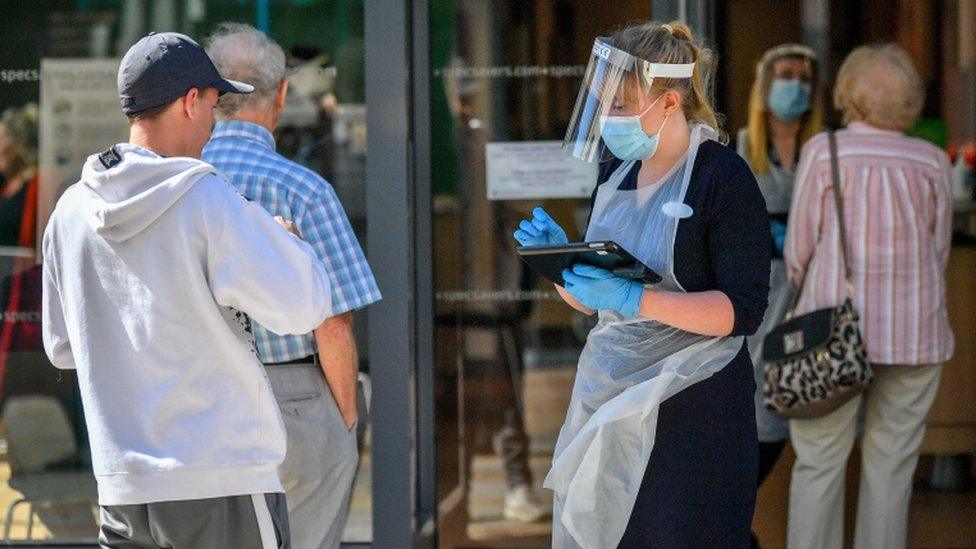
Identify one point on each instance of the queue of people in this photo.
(897, 205)
(202, 286)
(735, 237)
(897, 198)
(205, 305)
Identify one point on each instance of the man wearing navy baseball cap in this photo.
(153, 267)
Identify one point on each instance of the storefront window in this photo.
(59, 104)
(505, 80)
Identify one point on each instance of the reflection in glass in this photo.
(50, 125)
(505, 346)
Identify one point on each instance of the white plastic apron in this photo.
(627, 368)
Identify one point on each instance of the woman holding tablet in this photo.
(659, 444)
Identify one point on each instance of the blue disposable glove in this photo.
(599, 289)
(779, 235)
(540, 230)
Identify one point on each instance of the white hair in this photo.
(241, 52)
(880, 85)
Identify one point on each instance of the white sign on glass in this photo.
(80, 115)
(521, 170)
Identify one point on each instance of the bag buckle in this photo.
(793, 342)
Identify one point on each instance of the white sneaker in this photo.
(520, 505)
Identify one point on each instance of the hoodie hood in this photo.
(124, 199)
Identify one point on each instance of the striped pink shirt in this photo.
(898, 211)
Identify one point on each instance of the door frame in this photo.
(400, 247)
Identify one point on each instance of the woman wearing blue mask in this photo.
(784, 111)
(659, 444)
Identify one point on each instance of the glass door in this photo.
(504, 79)
(59, 104)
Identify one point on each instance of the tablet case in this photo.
(549, 261)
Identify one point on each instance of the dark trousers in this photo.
(259, 521)
(699, 489)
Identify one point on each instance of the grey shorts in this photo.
(257, 521)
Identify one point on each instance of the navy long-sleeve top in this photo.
(725, 244)
(708, 431)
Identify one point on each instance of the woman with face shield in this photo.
(785, 110)
(658, 448)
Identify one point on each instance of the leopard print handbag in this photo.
(814, 363)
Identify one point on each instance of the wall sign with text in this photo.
(521, 170)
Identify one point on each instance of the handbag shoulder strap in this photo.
(839, 202)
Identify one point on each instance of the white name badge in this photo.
(677, 209)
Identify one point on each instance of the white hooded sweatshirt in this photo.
(151, 269)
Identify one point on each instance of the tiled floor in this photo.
(938, 520)
(18, 528)
(359, 526)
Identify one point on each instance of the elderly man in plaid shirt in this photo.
(313, 376)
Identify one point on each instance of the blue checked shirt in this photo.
(245, 153)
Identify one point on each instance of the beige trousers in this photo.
(896, 406)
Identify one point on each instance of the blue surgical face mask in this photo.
(789, 99)
(626, 138)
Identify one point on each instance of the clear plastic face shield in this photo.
(616, 88)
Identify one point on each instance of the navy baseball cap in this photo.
(162, 67)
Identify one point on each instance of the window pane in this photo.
(506, 75)
(59, 102)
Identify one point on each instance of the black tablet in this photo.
(549, 261)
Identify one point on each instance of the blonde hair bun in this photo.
(680, 31)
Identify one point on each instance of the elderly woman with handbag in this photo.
(868, 237)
